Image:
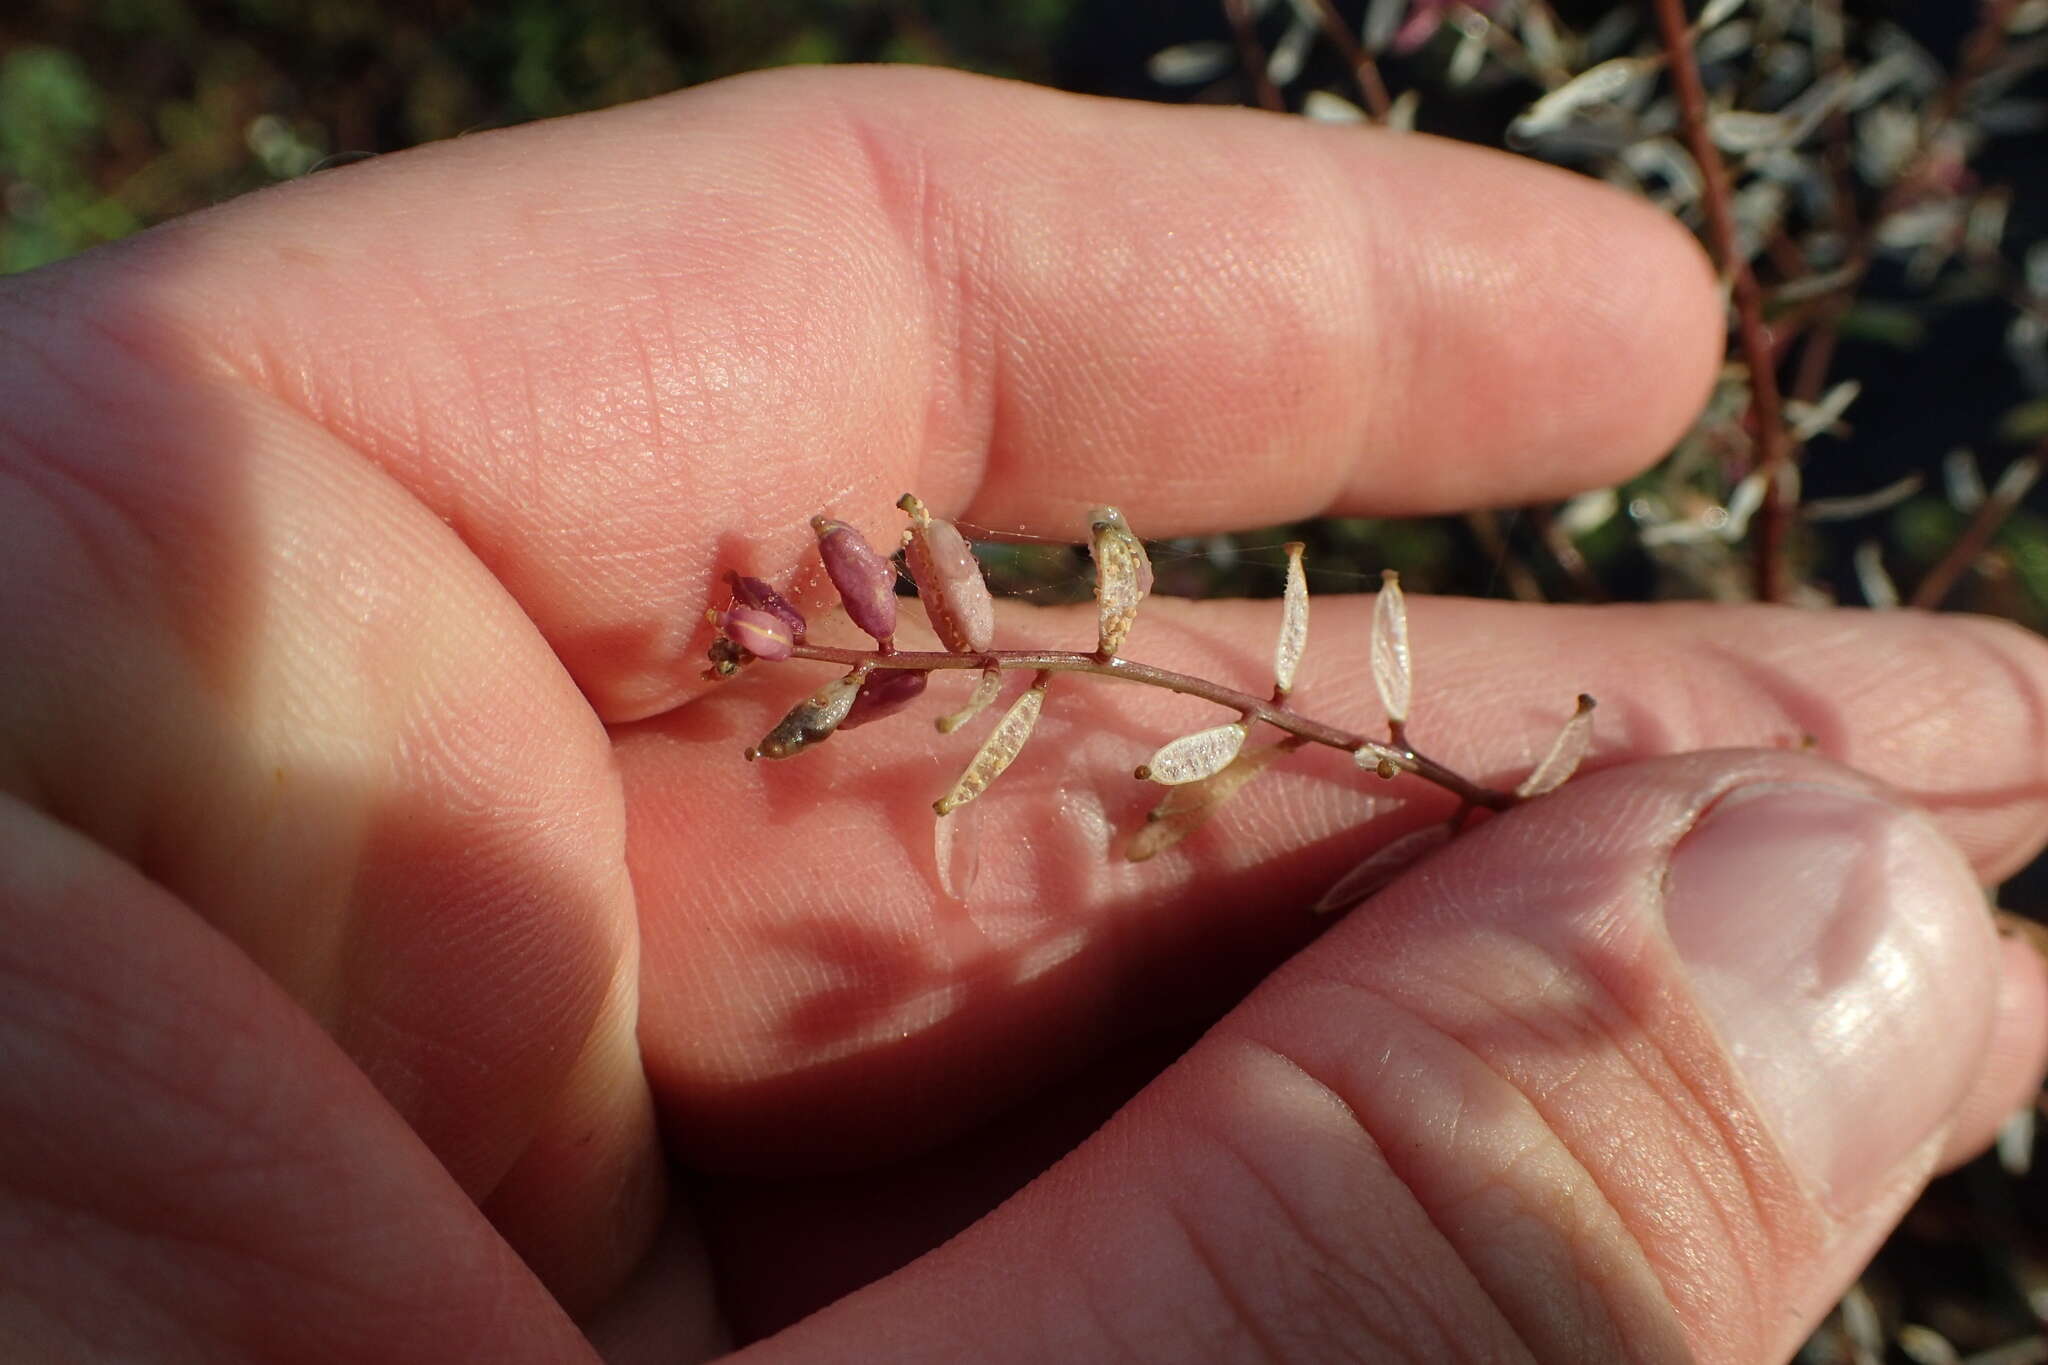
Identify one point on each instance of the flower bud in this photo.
(887, 691)
(752, 592)
(866, 581)
(762, 634)
(949, 582)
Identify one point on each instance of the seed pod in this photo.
(761, 633)
(949, 581)
(1372, 876)
(1187, 808)
(956, 850)
(1566, 753)
(999, 749)
(752, 592)
(887, 691)
(866, 581)
(1123, 575)
(1293, 623)
(810, 721)
(1194, 757)
(984, 693)
(1393, 669)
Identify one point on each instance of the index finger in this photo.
(620, 353)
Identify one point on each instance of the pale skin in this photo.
(376, 870)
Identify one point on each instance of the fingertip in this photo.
(1589, 327)
(2015, 1056)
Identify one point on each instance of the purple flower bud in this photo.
(761, 633)
(887, 691)
(866, 581)
(752, 592)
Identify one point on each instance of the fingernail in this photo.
(1840, 947)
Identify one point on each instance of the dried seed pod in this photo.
(1566, 753)
(1293, 623)
(956, 850)
(1187, 808)
(999, 749)
(811, 720)
(866, 581)
(752, 592)
(1194, 757)
(1123, 575)
(761, 633)
(887, 691)
(949, 581)
(1371, 876)
(1393, 671)
(984, 693)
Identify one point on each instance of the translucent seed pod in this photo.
(1567, 751)
(1372, 876)
(999, 749)
(1194, 757)
(1187, 808)
(956, 850)
(1393, 670)
(984, 694)
(866, 581)
(1293, 640)
(812, 720)
(1123, 575)
(949, 581)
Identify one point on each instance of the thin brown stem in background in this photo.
(1252, 55)
(1941, 580)
(1774, 517)
(1364, 70)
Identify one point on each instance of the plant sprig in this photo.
(1201, 769)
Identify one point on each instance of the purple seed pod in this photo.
(761, 633)
(866, 581)
(887, 691)
(752, 592)
(949, 582)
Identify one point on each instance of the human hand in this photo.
(374, 856)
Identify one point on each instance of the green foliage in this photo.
(127, 112)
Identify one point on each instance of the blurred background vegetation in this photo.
(116, 114)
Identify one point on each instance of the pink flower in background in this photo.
(1425, 17)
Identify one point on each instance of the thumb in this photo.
(1642, 1070)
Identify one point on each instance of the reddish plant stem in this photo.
(1773, 578)
(1364, 70)
(1252, 56)
(1941, 580)
(1398, 757)
(1555, 539)
(1521, 579)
